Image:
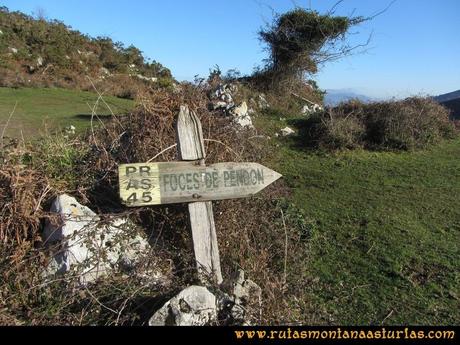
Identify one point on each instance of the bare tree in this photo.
(40, 13)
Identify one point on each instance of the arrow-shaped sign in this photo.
(144, 184)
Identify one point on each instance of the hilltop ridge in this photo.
(38, 52)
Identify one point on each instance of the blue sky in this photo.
(415, 45)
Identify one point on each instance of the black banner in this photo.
(244, 335)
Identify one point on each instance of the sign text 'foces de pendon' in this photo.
(177, 182)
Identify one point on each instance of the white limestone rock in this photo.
(222, 97)
(150, 79)
(262, 102)
(246, 294)
(86, 246)
(241, 115)
(70, 130)
(193, 306)
(287, 131)
(104, 71)
(311, 109)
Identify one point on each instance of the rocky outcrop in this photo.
(222, 99)
(198, 306)
(241, 115)
(149, 79)
(309, 109)
(262, 102)
(81, 243)
(246, 294)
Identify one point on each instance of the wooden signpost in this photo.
(191, 181)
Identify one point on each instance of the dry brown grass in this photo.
(22, 190)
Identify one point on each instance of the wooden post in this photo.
(191, 147)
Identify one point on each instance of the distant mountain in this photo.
(448, 96)
(451, 100)
(334, 97)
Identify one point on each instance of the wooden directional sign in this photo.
(190, 180)
(144, 184)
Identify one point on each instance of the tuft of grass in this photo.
(59, 157)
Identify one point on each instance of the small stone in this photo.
(287, 131)
(193, 306)
(305, 109)
(246, 295)
(104, 71)
(70, 129)
(310, 109)
(241, 115)
(219, 105)
(262, 102)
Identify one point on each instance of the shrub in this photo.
(412, 123)
(344, 132)
(402, 125)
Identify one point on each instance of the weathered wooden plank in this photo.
(189, 136)
(143, 184)
(191, 147)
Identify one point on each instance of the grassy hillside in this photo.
(386, 228)
(39, 110)
(41, 53)
(387, 234)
